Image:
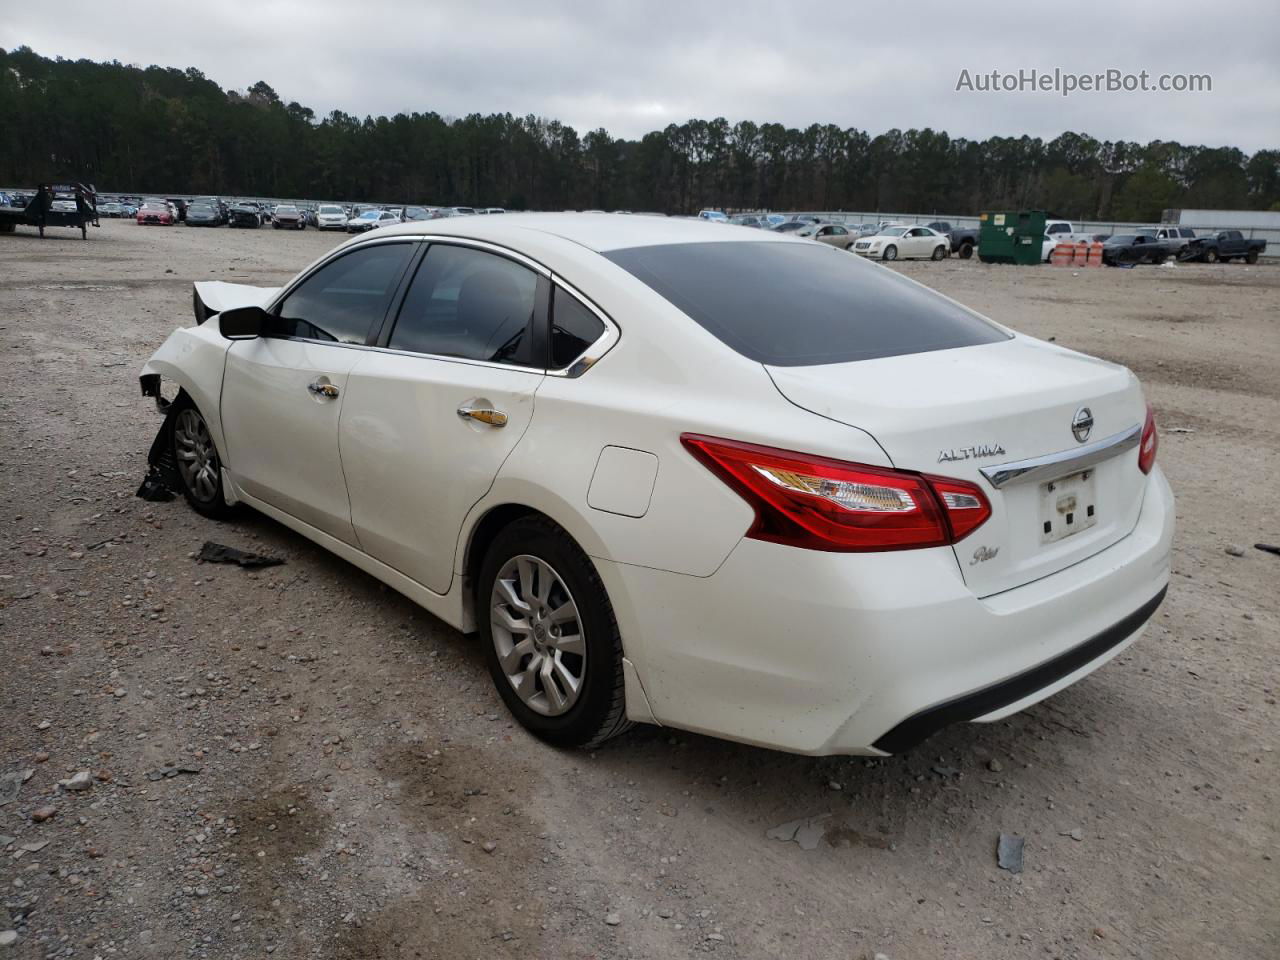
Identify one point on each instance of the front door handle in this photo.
(327, 390)
(484, 414)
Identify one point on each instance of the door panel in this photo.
(414, 466)
(282, 438)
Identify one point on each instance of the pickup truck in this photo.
(1064, 231)
(1225, 245)
(1177, 238)
(964, 240)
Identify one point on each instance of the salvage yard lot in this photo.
(354, 788)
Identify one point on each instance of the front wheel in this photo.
(890, 252)
(550, 637)
(1211, 256)
(198, 463)
(966, 251)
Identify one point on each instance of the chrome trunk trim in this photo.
(1060, 464)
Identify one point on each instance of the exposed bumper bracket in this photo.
(989, 699)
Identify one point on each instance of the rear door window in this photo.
(800, 304)
(470, 304)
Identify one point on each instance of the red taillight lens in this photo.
(823, 504)
(1150, 443)
(964, 505)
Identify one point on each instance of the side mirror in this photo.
(243, 323)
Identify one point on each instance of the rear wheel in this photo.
(890, 252)
(549, 635)
(938, 253)
(1251, 256)
(198, 463)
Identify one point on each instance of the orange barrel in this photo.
(1095, 254)
(1081, 258)
(1063, 254)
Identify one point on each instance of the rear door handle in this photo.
(484, 414)
(326, 390)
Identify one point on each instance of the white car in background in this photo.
(330, 216)
(904, 242)
(372, 220)
(721, 480)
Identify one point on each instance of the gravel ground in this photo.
(298, 762)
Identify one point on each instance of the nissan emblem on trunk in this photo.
(1082, 424)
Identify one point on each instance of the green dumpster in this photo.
(1015, 236)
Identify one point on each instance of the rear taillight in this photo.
(823, 504)
(1150, 443)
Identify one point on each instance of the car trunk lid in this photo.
(959, 412)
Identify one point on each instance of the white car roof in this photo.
(600, 232)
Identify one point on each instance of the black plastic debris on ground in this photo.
(1267, 548)
(1009, 853)
(220, 553)
(154, 489)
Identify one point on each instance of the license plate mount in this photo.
(1067, 505)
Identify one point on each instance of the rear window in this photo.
(800, 304)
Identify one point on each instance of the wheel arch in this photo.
(488, 519)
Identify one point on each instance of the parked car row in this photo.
(890, 240)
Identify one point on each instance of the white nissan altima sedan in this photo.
(726, 481)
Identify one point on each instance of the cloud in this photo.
(636, 67)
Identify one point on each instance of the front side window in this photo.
(347, 297)
(573, 329)
(470, 304)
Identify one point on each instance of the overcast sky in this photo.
(637, 66)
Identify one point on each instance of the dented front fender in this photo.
(193, 358)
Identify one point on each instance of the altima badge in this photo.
(984, 553)
(1082, 424)
(971, 453)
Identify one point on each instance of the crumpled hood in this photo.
(214, 296)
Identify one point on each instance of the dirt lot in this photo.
(337, 777)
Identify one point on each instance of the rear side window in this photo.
(347, 297)
(573, 329)
(470, 304)
(799, 304)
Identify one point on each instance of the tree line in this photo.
(165, 130)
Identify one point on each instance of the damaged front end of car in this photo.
(192, 361)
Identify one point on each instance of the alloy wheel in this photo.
(538, 635)
(196, 455)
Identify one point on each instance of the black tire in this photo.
(599, 713)
(966, 251)
(939, 253)
(1251, 256)
(188, 420)
(890, 252)
(1211, 255)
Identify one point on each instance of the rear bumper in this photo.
(1023, 686)
(821, 653)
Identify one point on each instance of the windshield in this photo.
(892, 232)
(370, 215)
(1122, 238)
(801, 304)
(285, 208)
(789, 226)
(327, 209)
